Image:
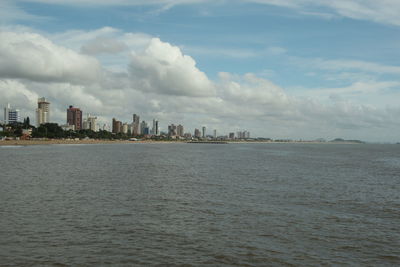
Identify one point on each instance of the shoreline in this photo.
(93, 142)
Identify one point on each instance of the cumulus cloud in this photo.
(252, 89)
(16, 92)
(162, 68)
(160, 81)
(31, 56)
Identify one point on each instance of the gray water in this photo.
(200, 205)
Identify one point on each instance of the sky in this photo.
(287, 69)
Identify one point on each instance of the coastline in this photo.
(93, 142)
(68, 142)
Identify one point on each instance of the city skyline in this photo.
(76, 121)
(284, 69)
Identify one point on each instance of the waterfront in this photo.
(189, 204)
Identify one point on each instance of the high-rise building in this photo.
(143, 127)
(146, 130)
(11, 115)
(243, 135)
(179, 130)
(125, 128)
(74, 117)
(155, 130)
(231, 135)
(136, 125)
(215, 134)
(197, 133)
(116, 126)
(172, 131)
(90, 123)
(130, 129)
(203, 132)
(42, 112)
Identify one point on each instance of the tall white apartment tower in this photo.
(90, 123)
(42, 112)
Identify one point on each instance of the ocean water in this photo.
(200, 205)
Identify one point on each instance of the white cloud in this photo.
(252, 89)
(17, 93)
(103, 45)
(160, 81)
(31, 56)
(162, 68)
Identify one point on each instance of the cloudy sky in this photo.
(300, 69)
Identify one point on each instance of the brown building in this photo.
(74, 117)
(116, 126)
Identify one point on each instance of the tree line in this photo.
(54, 131)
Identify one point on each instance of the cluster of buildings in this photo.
(76, 121)
(136, 128)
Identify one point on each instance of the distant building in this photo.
(116, 126)
(11, 115)
(187, 135)
(143, 127)
(67, 127)
(42, 112)
(172, 130)
(203, 132)
(125, 128)
(243, 135)
(74, 117)
(155, 130)
(179, 130)
(231, 135)
(136, 125)
(146, 131)
(90, 123)
(130, 129)
(215, 134)
(197, 133)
